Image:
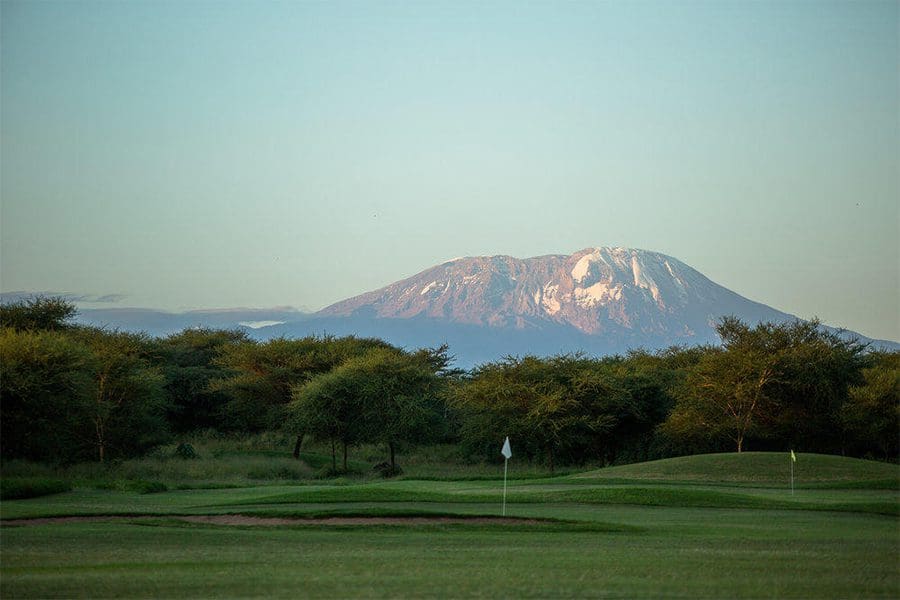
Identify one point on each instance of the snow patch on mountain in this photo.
(581, 268)
(549, 301)
(642, 279)
(599, 293)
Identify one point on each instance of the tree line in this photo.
(71, 393)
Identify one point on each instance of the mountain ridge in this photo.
(599, 290)
(598, 300)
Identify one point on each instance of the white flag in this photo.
(506, 452)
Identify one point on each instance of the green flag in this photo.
(793, 456)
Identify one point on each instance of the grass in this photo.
(678, 553)
(264, 459)
(31, 487)
(755, 468)
(677, 528)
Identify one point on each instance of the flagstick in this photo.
(792, 476)
(506, 464)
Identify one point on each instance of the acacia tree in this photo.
(126, 406)
(68, 389)
(37, 313)
(402, 393)
(816, 371)
(609, 415)
(778, 383)
(263, 375)
(730, 392)
(383, 396)
(530, 399)
(45, 386)
(330, 407)
(871, 417)
(727, 391)
(188, 363)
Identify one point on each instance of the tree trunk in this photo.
(297, 445)
(393, 464)
(99, 429)
(333, 457)
(345, 457)
(550, 456)
(740, 443)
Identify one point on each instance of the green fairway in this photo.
(754, 467)
(625, 531)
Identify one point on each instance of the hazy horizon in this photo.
(210, 155)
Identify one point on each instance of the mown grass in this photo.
(625, 534)
(755, 468)
(687, 553)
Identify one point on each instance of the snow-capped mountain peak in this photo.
(598, 290)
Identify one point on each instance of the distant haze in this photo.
(197, 155)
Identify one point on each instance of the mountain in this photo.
(599, 300)
(162, 323)
(617, 293)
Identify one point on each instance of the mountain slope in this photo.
(597, 300)
(627, 296)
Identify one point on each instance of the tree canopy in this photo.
(72, 393)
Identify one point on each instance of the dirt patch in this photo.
(247, 520)
(276, 521)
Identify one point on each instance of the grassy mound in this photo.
(755, 467)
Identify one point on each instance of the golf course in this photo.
(712, 526)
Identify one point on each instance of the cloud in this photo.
(259, 324)
(8, 297)
(104, 298)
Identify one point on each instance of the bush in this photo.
(327, 472)
(140, 486)
(150, 487)
(386, 470)
(21, 488)
(185, 451)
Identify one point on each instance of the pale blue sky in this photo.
(212, 154)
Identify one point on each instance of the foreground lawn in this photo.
(617, 534)
(671, 552)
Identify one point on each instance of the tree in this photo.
(816, 371)
(780, 384)
(331, 407)
(554, 407)
(126, 408)
(871, 417)
(37, 313)
(263, 377)
(401, 393)
(727, 390)
(45, 384)
(609, 414)
(188, 363)
(78, 392)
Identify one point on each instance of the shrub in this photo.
(150, 487)
(185, 451)
(21, 488)
(328, 472)
(386, 469)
